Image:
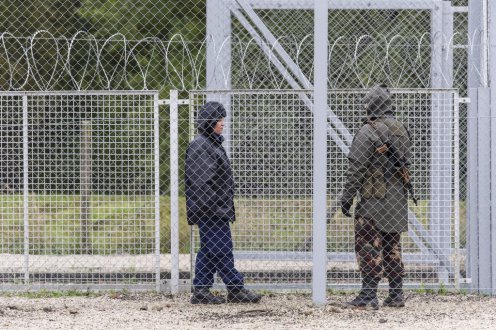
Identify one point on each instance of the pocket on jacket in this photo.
(375, 184)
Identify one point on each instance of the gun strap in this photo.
(384, 147)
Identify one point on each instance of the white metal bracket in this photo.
(169, 102)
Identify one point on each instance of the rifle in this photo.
(398, 163)
(405, 176)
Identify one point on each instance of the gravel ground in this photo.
(276, 311)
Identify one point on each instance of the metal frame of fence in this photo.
(219, 31)
(66, 200)
(430, 242)
(174, 103)
(265, 44)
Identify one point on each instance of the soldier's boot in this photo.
(204, 296)
(367, 297)
(243, 296)
(395, 298)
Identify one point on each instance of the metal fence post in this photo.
(472, 225)
(174, 190)
(481, 175)
(156, 144)
(219, 57)
(25, 148)
(440, 185)
(491, 25)
(475, 80)
(456, 166)
(484, 189)
(319, 268)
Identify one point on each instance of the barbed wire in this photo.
(83, 62)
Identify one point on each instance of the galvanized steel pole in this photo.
(174, 190)
(319, 269)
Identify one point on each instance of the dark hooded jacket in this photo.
(208, 178)
(382, 196)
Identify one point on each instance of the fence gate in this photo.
(79, 190)
(269, 141)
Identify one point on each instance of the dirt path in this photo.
(277, 311)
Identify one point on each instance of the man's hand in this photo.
(345, 208)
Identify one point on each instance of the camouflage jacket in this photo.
(382, 196)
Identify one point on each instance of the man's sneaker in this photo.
(394, 301)
(204, 296)
(243, 296)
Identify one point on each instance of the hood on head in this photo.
(378, 101)
(210, 113)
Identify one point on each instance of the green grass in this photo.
(116, 225)
(423, 290)
(441, 290)
(126, 225)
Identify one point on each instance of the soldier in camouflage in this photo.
(381, 213)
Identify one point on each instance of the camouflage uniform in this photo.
(381, 213)
(378, 253)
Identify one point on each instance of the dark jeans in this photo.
(216, 255)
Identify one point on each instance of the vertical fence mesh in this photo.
(430, 248)
(12, 208)
(269, 140)
(79, 193)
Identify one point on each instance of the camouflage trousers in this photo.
(378, 253)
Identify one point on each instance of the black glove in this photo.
(345, 208)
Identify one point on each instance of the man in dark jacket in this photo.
(377, 172)
(210, 205)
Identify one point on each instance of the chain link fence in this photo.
(269, 140)
(193, 46)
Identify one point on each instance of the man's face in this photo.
(219, 127)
